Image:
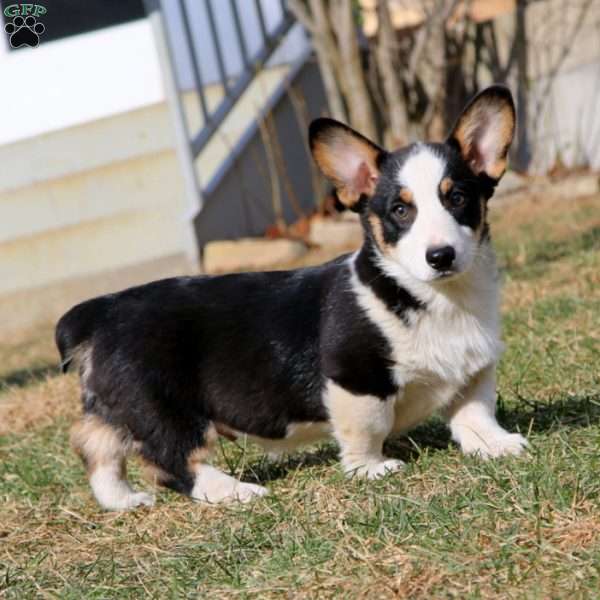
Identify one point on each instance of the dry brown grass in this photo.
(38, 405)
(558, 280)
(567, 216)
(28, 349)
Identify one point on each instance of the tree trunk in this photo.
(522, 154)
(317, 23)
(329, 59)
(389, 70)
(353, 77)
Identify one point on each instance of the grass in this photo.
(447, 527)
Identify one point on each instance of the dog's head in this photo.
(423, 206)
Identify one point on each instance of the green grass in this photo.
(446, 527)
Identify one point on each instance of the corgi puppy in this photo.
(363, 347)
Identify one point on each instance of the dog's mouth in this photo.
(446, 275)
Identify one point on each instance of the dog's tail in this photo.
(76, 327)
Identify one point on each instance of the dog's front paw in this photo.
(140, 499)
(504, 444)
(373, 469)
(128, 501)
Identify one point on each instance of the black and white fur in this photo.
(360, 348)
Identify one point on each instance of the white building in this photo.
(91, 192)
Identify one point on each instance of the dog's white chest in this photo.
(450, 346)
(436, 358)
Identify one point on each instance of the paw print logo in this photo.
(24, 32)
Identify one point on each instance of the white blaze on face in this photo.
(434, 225)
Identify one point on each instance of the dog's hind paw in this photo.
(238, 492)
(213, 486)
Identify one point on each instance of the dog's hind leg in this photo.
(214, 486)
(180, 461)
(104, 450)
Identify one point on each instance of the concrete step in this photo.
(124, 136)
(105, 194)
(77, 174)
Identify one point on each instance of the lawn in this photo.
(446, 527)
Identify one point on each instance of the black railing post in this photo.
(194, 59)
(192, 143)
(240, 33)
(217, 46)
(261, 20)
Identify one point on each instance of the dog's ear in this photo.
(347, 158)
(484, 131)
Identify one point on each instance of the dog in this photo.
(368, 345)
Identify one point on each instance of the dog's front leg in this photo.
(360, 425)
(472, 420)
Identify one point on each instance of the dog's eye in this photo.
(401, 211)
(457, 200)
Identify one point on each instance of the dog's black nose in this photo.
(441, 258)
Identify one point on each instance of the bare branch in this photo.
(302, 118)
(298, 9)
(565, 51)
(276, 203)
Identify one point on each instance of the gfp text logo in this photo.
(25, 29)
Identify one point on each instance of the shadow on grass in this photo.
(542, 417)
(24, 377)
(434, 436)
(265, 470)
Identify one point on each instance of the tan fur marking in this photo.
(406, 196)
(200, 456)
(347, 197)
(361, 425)
(446, 185)
(82, 356)
(377, 229)
(226, 432)
(324, 159)
(104, 450)
(98, 443)
(154, 473)
(507, 127)
(498, 169)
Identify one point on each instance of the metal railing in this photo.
(233, 87)
(234, 82)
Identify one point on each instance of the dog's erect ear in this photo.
(484, 131)
(346, 157)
